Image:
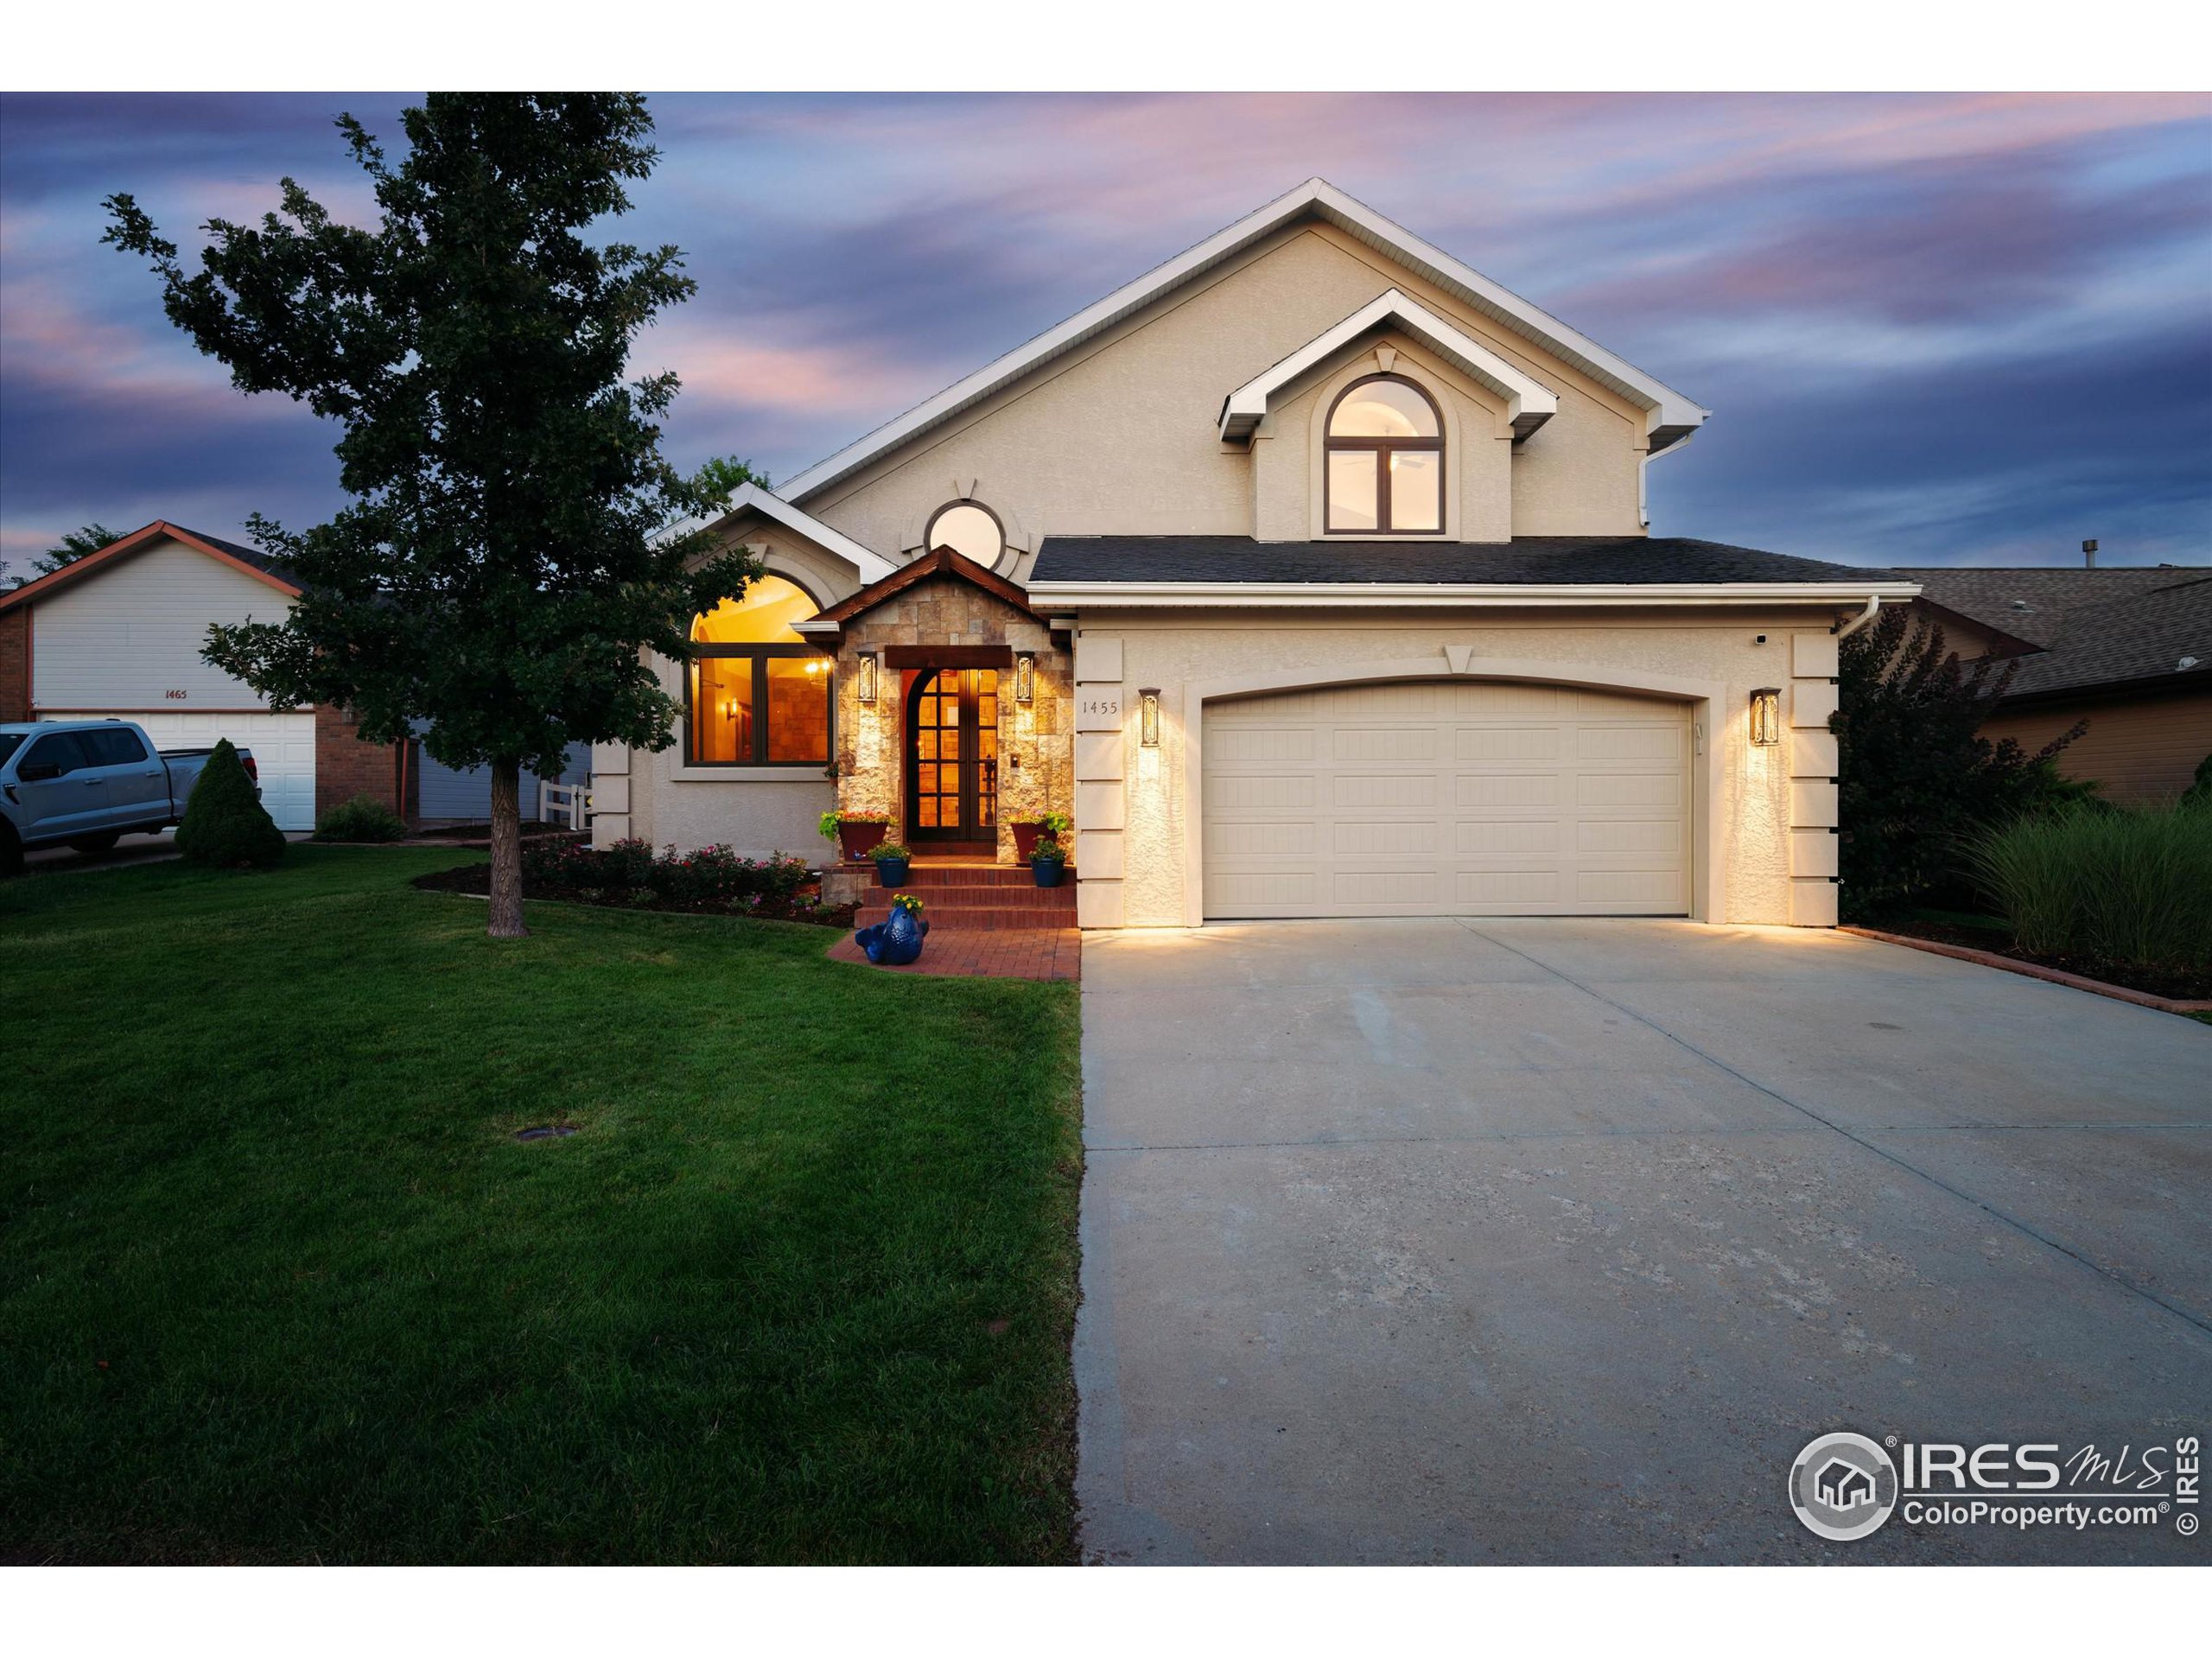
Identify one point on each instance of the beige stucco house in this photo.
(1310, 573)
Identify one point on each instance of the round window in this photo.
(970, 531)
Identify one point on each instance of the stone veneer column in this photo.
(1101, 800)
(1813, 766)
(610, 793)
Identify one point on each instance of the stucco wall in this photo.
(1749, 825)
(1121, 438)
(757, 810)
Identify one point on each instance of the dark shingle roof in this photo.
(2032, 604)
(2145, 636)
(1566, 560)
(254, 556)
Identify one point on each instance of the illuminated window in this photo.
(969, 530)
(1385, 457)
(758, 694)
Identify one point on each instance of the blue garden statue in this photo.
(898, 941)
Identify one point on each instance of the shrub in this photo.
(2110, 886)
(1918, 778)
(224, 823)
(711, 877)
(363, 819)
(2199, 792)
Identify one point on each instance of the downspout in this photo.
(1642, 488)
(1844, 631)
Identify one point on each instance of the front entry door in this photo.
(953, 756)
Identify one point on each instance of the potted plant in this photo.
(891, 859)
(896, 940)
(856, 833)
(1048, 863)
(1027, 832)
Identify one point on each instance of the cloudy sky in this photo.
(1933, 329)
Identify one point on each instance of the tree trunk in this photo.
(506, 852)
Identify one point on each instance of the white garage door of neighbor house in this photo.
(1446, 797)
(282, 745)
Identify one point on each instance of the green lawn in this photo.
(278, 1284)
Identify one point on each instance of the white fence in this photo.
(568, 804)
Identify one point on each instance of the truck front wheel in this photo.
(11, 851)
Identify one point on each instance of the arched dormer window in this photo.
(756, 694)
(1385, 459)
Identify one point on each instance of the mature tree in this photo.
(73, 546)
(496, 571)
(1917, 774)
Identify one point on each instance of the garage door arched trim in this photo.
(1701, 696)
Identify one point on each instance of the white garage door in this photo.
(282, 745)
(1458, 797)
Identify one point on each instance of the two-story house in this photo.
(1311, 574)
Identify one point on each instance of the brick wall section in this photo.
(346, 767)
(15, 664)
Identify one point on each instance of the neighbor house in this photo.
(120, 633)
(2127, 649)
(1311, 574)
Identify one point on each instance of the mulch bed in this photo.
(480, 835)
(2176, 983)
(805, 905)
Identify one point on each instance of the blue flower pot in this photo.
(1048, 871)
(890, 871)
(895, 942)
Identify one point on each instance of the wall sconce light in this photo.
(1766, 716)
(867, 677)
(1024, 676)
(1149, 717)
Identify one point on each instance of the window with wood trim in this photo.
(758, 694)
(1384, 455)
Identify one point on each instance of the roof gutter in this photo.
(1555, 595)
(1643, 467)
(1845, 629)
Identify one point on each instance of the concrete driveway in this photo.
(1556, 1241)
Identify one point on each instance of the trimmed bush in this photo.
(2107, 885)
(712, 878)
(363, 819)
(224, 823)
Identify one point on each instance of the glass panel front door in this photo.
(952, 765)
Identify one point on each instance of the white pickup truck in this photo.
(87, 783)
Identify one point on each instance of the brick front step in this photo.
(950, 893)
(977, 919)
(965, 876)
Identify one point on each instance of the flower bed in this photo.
(631, 875)
(2178, 982)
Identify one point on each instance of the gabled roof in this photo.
(1668, 416)
(1529, 402)
(944, 561)
(259, 566)
(751, 497)
(2031, 603)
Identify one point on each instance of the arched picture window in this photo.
(1385, 457)
(758, 694)
(970, 529)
